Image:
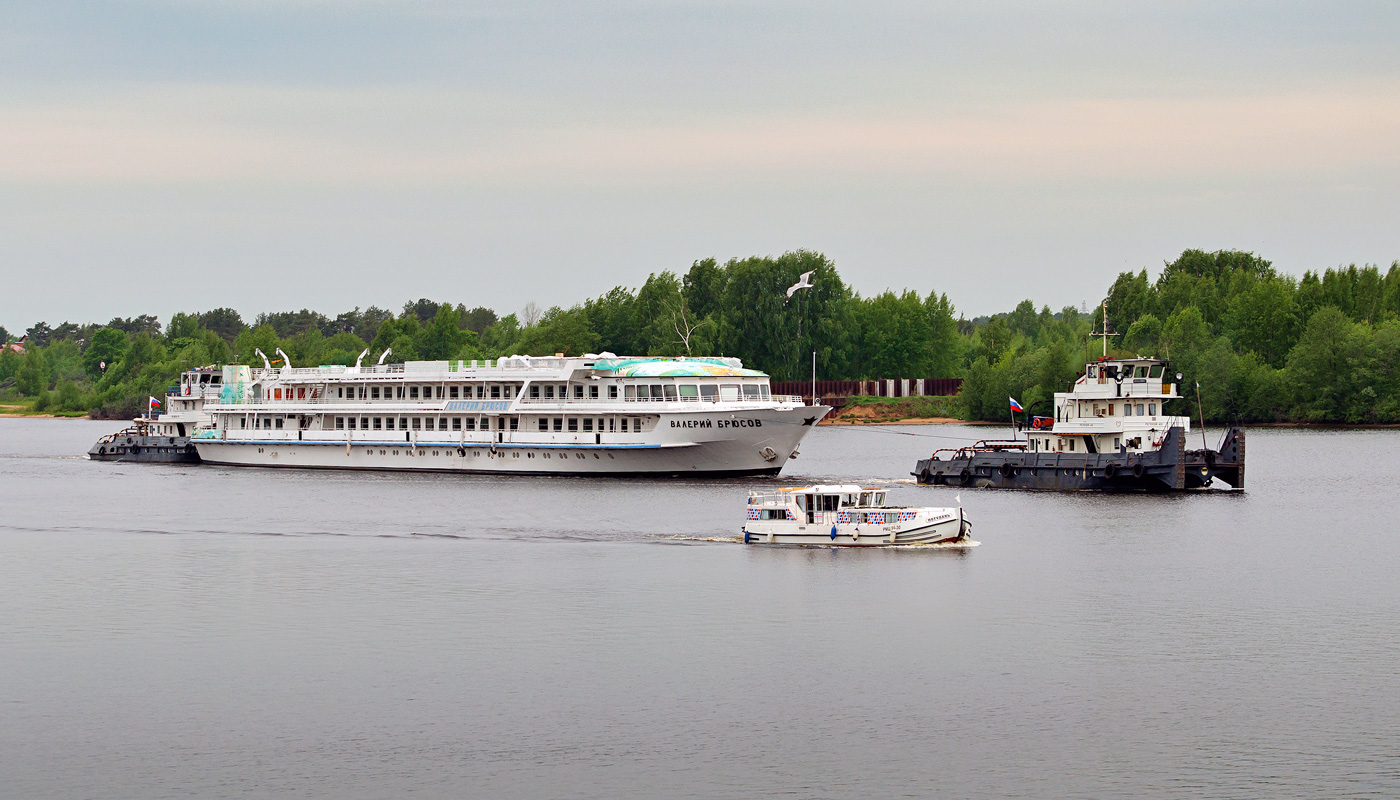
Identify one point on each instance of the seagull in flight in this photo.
(805, 282)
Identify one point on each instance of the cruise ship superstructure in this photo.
(594, 414)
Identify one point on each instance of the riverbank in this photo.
(14, 410)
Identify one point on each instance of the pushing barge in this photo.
(1110, 433)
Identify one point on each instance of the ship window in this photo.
(670, 391)
(417, 423)
(413, 393)
(364, 423)
(750, 391)
(612, 424)
(340, 391)
(578, 392)
(549, 392)
(279, 423)
(657, 393)
(438, 393)
(1127, 409)
(1071, 445)
(351, 422)
(495, 393)
(629, 392)
(374, 392)
(514, 423)
(340, 423)
(764, 390)
(709, 391)
(1110, 409)
(729, 391)
(544, 423)
(593, 392)
(1140, 372)
(612, 392)
(558, 423)
(403, 423)
(1117, 443)
(480, 392)
(452, 393)
(1151, 409)
(534, 392)
(471, 423)
(1155, 371)
(771, 513)
(378, 421)
(688, 390)
(573, 423)
(588, 424)
(1139, 409)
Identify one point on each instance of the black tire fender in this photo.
(1139, 470)
(1111, 470)
(965, 476)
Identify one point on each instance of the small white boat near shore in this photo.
(846, 515)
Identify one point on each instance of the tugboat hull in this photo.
(145, 449)
(1169, 468)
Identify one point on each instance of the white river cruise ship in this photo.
(595, 414)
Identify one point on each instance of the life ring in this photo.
(965, 476)
(1139, 470)
(1110, 471)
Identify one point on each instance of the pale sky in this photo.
(159, 156)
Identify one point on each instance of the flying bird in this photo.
(805, 282)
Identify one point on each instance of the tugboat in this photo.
(164, 437)
(1110, 432)
(846, 516)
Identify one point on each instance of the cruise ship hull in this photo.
(721, 443)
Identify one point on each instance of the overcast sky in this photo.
(167, 155)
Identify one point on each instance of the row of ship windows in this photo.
(478, 454)
(644, 391)
(1112, 408)
(573, 424)
(495, 392)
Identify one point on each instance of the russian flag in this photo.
(154, 402)
(1015, 406)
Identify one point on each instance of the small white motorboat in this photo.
(846, 515)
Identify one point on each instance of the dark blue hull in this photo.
(1170, 468)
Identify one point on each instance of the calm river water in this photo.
(175, 632)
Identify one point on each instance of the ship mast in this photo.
(1105, 333)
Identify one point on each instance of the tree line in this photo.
(1265, 346)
